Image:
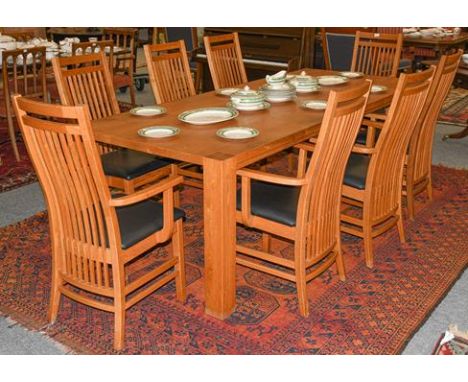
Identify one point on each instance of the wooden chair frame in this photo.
(225, 60)
(86, 240)
(377, 54)
(419, 161)
(316, 234)
(86, 79)
(380, 200)
(27, 78)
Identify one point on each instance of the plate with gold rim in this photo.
(378, 88)
(158, 131)
(148, 111)
(208, 115)
(315, 104)
(237, 133)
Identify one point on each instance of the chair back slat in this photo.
(169, 71)
(86, 79)
(225, 60)
(84, 228)
(88, 47)
(420, 150)
(385, 173)
(377, 54)
(319, 203)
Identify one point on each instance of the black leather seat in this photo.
(273, 201)
(129, 164)
(356, 171)
(362, 135)
(139, 220)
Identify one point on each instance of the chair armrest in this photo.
(360, 149)
(369, 123)
(307, 146)
(378, 117)
(147, 193)
(271, 178)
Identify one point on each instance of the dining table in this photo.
(280, 127)
(441, 44)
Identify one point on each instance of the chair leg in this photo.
(340, 267)
(429, 188)
(401, 230)
(119, 327)
(11, 133)
(301, 282)
(266, 242)
(368, 250)
(129, 187)
(132, 93)
(178, 248)
(410, 202)
(55, 295)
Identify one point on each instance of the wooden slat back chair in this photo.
(23, 72)
(337, 45)
(225, 60)
(171, 80)
(88, 47)
(419, 161)
(125, 61)
(169, 71)
(94, 235)
(373, 178)
(304, 209)
(86, 80)
(377, 54)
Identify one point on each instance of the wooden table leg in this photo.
(219, 201)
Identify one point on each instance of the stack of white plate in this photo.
(304, 83)
(248, 99)
(285, 92)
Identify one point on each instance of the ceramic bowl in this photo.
(247, 96)
(276, 79)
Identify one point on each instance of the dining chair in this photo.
(337, 48)
(23, 72)
(171, 80)
(86, 79)
(373, 177)
(95, 235)
(377, 54)
(125, 60)
(304, 209)
(224, 57)
(419, 159)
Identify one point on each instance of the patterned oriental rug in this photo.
(13, 174)
(375, 311)
(455, 109)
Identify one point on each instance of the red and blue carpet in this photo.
(375, 311)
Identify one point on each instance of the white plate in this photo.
(246, 107)
(158, 131)
(331, 80)
(237, 133)
(207, 115)
(227, 91)
(312, 89)
(351, 74)
(315, 104)
(278, 99)
(378, 88)
(148, 111)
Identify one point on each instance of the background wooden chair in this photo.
(88, 47)
(170, 79)
(419, 160)
(377, 54)
(373, 177)
(305, 209)
(94, 235)
(225, 60)
(337, 48)
(23, 72)
(86, 80)
(125, 60)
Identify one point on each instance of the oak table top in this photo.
(280, 127)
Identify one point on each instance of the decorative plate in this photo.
(351, 74)
(315, 104)
(208, 115)
(227, 92)
(331, 80)
(148, 111)
(246, 107)
(237, 133)
(378, 88)
(158, 131)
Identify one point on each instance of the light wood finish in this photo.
(86, 240)
(169, 71)
(282, 126)
(377, 54)
(225, 60)
(316, 234)
(23, 72)
(86, 80)
(380, 200)
(419, 162)
(125, 60)
(88, 47)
